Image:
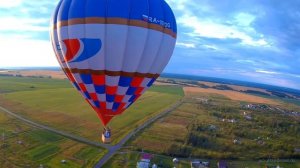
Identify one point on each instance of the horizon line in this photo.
(163, 73)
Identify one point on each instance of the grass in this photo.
(42, 152)
(57, 104)
(151, 105)
(175, 90)
(171, 135)
(86, 153)
(14, 84)
(44, 136)
(65, 109)
(56, 162)
(41, 147)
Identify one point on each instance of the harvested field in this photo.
(38, 73)
(233, 95)
(164, 84)
(179, 121)
(235, 87)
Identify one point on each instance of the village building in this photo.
(145, 161)
(199, 164)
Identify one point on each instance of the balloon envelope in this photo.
(113, 50)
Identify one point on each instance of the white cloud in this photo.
(212, 47)
(271, 78)
(23, 24)
(278, 73)
(247, 61)
(244, 19)
(238, 28)
(267, 72)
(213, 29)
(186, 45)
(178, 4)
(10, 3)
(19, 51)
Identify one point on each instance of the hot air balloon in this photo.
(112, 51)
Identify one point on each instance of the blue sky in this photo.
(246, 40)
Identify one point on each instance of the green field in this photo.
(195, 129)
(14, 84)
(174, 90)
(24, 146)
(56, 103)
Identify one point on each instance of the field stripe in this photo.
(64, 134)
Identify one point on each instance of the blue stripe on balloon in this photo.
(125, 81)
(90, 48)
(127, 9)
(130, 104)
(140, 8)
(97, 104)
(117, 8)
(115, 106)
(110, 98)
(76, 86)
(169, 15)
(87, 95)
(100, 89)
(77, 9)
(95, 8)
(156, 9)
(63, 13)
(55, 15)
(151, 82)
(86, 78)
(130, 91)
(132, 98)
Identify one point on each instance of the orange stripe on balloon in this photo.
(118, 21)
(111, 73)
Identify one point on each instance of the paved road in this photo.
(67, 135)
(114, 149)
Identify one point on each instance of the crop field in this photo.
(15, 84)
(174, 90)
(37, 73)
(235, 87)
(206, 125)
(24, 146)
(55, 103)
(233, 95)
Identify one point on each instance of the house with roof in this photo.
(145, 161)
(199, 164)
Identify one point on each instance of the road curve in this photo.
(62, 133)
(113, 149)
